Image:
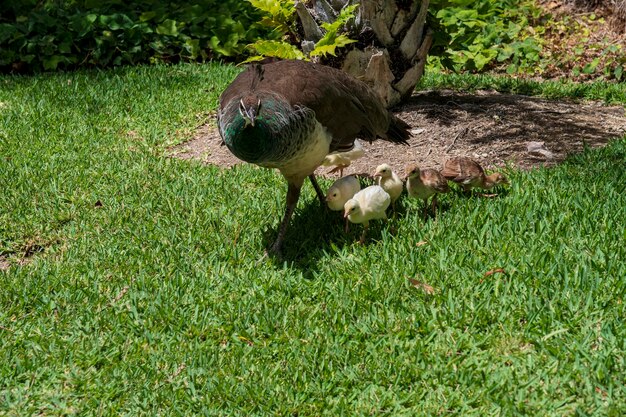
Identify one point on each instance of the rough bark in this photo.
(392, 42)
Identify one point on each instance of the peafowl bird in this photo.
(470, 174)
(425, 183)
(291, 114)
(368, 204)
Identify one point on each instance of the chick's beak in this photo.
(378, 174)
(346, 214)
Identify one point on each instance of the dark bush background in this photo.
(65, 34)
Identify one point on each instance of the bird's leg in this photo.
(337, 168)
(293, 194)
(434, 206)
(318, 190)
(366, 226)
(347, 228)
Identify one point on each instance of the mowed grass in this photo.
(131, 283)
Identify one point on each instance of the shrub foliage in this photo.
(52, 34)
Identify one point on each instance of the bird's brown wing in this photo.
(347, 107)
(462, 170)
(433, 179)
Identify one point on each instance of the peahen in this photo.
(290, 114)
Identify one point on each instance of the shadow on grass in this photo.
(314, 230)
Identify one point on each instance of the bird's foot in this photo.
(271, 253)
(275, 251)
(487, 195)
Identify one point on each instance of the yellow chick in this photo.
(341, 160)
(341, 191)
(368, 204)
(389, 181)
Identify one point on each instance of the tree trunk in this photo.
(392, 42)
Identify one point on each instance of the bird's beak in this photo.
(249, 114)
(327, 198)
(249, 119)
(346, 214)
(378, 174)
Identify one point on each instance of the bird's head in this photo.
(351, 207)
(333, 194)
(411, 171)
(496, 179)
(249, 108)
(383, 171)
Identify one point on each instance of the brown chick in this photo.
(424, 183)
(469, 174)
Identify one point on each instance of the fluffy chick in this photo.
(470, 174)
(368, 204)
(341, 160)
(424, 183)
(389, 181)
(341, 191)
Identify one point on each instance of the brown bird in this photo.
(469, 174)
(424, 183)
(290, 115)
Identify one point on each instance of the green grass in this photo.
(606, 91)
(142, 294)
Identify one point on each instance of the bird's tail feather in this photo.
(398, 131)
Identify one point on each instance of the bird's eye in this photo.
(335, 195)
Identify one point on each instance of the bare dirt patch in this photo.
(4, 264)
(25, 254)
(491, 127)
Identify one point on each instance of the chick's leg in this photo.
(366, 226)
(318, 190)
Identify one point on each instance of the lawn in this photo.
(131, 283)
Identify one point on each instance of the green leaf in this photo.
(329, 48)
(277, 49)
(193, 47)
(52, 62)
(6, 31)
(168, 27)
(146, 16)
(590, 67)
(275, 8)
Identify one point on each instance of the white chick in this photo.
(389, 180)
(368, 204)
(341, 191)
(341, 160)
